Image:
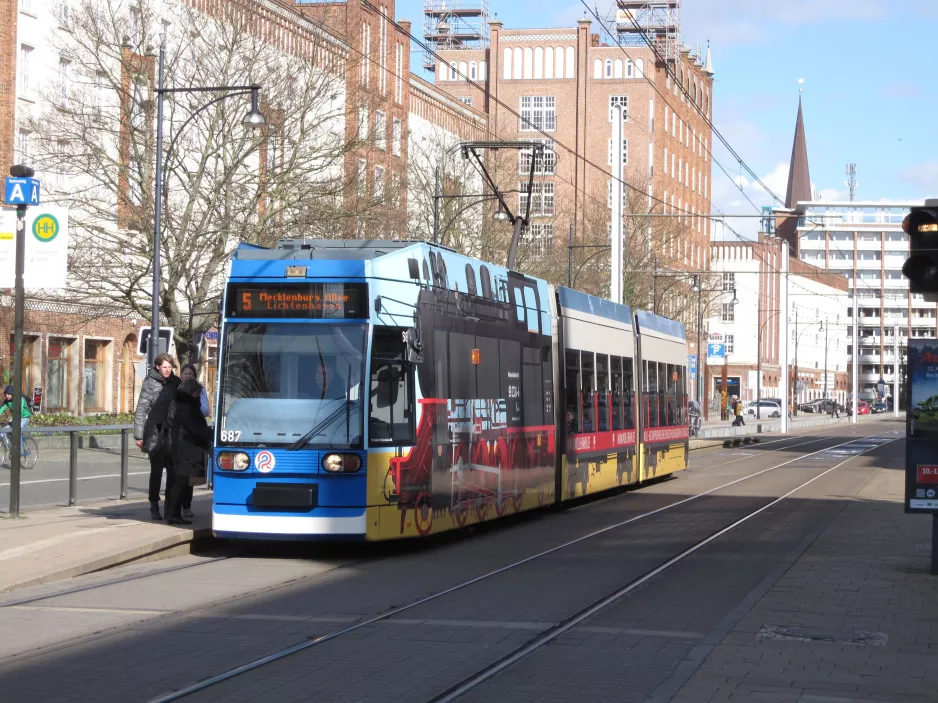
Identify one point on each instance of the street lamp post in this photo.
(253, 119)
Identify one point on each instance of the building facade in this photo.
(752, 329)
(864, 243)
(563, 83)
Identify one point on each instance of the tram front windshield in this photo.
(292, 384)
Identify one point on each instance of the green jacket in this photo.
(8, 407)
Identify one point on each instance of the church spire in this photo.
(799, 180)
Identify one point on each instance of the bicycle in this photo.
(29, 454)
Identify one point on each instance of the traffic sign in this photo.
(716, 352)
(21, 191)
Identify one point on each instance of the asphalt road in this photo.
(135, 640)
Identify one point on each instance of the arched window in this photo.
(597, 69)
(558, 62)
(506, 73)
(695, 92)
(528, 73)
(517, 64)
(617, 68)
(571, 62)
(629, 68)
(482, 70)
(444, 71)
(549, 62)
(538, 63)
(640, 65)
(473, 70)
(471, 280)
(463, 70)
(486, 280)
(608, 68)
(452, 70)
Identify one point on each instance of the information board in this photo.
(921, 446)
(297, 300)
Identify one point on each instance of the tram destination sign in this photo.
(297, 300)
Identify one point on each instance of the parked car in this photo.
(880, 406)
(863, 408)
(766, 408)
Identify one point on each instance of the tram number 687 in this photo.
(230, 435)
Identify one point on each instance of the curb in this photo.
(169, 544)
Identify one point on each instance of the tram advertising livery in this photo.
(382, 390)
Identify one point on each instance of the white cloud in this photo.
(924, 177)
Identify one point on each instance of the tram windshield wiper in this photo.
(343, 409)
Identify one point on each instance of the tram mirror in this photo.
(413, 269)
(414, 346)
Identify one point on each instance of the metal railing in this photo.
(73, 432)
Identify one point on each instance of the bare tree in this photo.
(223, 184)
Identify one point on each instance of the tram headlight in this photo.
(341, 463)
(233, 461)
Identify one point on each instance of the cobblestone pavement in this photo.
(134, 640)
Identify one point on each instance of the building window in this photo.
(729, 281)
(608, 68)
(363, 126)
(95, 378)
(466, 100)
(381, 130)
(30, 377)
(624, 195)
(396, 189)
(452, 70)
(57, 375)
(542, 204)
(473, 70)
(379, 181)
(546, 161)
(728, 312)
(539, 238)
(396, 127)
(22, 146)
(730, 345)
(362, 176)
(538, 112)
(26, 53)
(625, 152)
(622, 100)
(64, 70)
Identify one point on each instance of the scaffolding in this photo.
(454, 24)
(658, 21)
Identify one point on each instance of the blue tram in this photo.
(380, 390)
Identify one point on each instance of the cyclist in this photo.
(25, 412)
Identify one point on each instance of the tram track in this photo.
(208, 561)
(572, 621)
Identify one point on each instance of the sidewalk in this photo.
(47, 545)
(853, 618)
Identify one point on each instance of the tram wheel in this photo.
(423, 515)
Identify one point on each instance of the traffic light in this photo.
(921, 268)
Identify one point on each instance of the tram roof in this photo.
(327, 249)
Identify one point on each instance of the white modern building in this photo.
(864, 242)
(753, 327)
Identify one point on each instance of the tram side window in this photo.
(572, 386)
(486, 281)
(391, 420)
(602, 392)
(662, 395)
(628, 394)
(471, 280)
(588, 391)
(651, 394)
(616, 398)
(672, 407)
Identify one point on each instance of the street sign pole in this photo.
(16, 439)
(21, 189)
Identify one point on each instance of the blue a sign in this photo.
(716, 350)
(21, 191)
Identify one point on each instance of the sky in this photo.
(867, 68)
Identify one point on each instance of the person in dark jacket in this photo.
(156, 394)
(190, 438)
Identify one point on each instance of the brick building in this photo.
(564, 81)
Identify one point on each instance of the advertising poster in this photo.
(921, 447)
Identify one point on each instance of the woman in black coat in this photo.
(190, 438)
